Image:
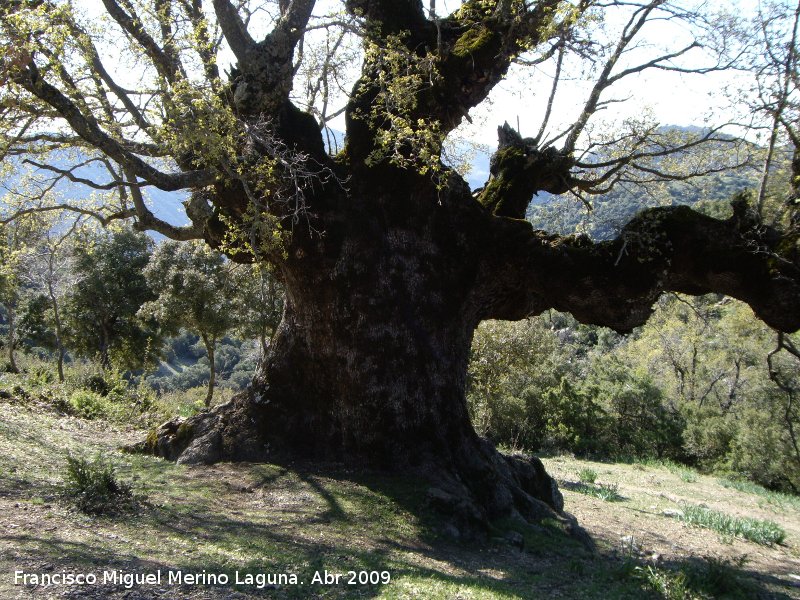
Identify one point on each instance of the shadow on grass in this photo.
(336, 520)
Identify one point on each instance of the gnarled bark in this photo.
(369, 363)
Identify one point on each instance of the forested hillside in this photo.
(602, 217)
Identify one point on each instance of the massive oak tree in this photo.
(388, 259)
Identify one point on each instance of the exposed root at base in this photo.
(482, 487)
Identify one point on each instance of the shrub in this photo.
(94, 488)
(707, 578)
(637, 421)
(708, 436)
(763, 453)
(778, 499)
(587, 475)
(609, 492)
(90, 405)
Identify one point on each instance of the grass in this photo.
(755, 530)
(686, 474)
(777, 499)
(301, 519)
(266, 518)
(608, 492)
(700, 579)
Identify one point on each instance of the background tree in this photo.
(49, 271)
(773, 62)
(17, 237)
(102, 307)
(258, 303)
(195, 289)
(388, 259)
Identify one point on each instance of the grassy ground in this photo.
(299, 520)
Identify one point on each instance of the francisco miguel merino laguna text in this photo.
(159, 577)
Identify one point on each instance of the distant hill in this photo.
(165, 205)
(559, 214)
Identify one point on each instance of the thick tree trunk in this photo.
(384, 290)
(371, 387)
(368, 366)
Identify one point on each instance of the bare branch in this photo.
(132, 24)
(104, 220)
(633, 26)
(234, 30)
(87, 128)
(68, 174)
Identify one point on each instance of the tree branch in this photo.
(166, 65)
(205, 47)
(87, 127)
(616, 283)
(146, 220)
(104, 220)
(234, 30)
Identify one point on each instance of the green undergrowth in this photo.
(609, 492)
(89, 392)
(699, 579)
(756, 530)
(776, 499)
(685, 473)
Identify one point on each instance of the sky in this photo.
(669, 98)
(672, 98)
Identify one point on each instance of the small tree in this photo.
(259, 303)
(102, 308)
(16, 237)
(51, 273)
(195, 290)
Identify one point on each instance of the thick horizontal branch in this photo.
(663, 249)
(146, 220)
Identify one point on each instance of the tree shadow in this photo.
(338, 526)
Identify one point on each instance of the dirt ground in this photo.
(277, 519)
(640, 520)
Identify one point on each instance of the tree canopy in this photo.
(246, 144)
(194, 289)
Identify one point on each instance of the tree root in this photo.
(469, 494)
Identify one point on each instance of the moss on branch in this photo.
(663, 249)
(519, 169)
